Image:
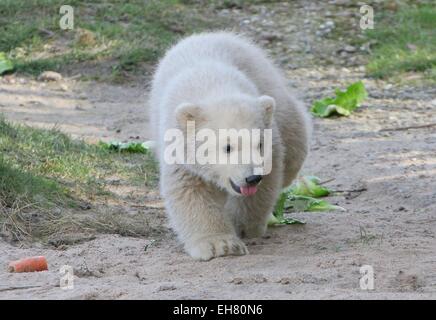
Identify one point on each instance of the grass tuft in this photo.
(48, 179)
(113, 37)
(405, 42)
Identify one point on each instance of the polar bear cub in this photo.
(222, 81)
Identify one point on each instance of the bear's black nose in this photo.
(253, 180)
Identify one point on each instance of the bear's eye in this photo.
(228, 148)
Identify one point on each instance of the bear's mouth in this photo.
(245, 191)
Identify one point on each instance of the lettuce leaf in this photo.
(343, 104)
(301, 197)
(304, 203)
(5, 63)
(310, 186)
(133, 147)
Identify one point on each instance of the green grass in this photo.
(127, 36)
(34, 189)
(46, 174)
(53, 154)
(405, 42)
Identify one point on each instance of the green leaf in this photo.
(343, 104)
(133, 147)
(5, 63)
(304, 203)
(278, 218)
(280, 206)
(273, 221)
(301, 197)
(309, 186)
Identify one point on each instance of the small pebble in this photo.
(50, 76)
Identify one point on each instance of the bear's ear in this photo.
(268, 105)
(188, 112)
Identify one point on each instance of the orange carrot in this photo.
(29, 264)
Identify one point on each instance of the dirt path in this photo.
(92, 111)
(389, 178)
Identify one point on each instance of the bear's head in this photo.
(229, 140)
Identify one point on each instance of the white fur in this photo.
(222, 80)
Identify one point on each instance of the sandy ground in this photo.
(388, 178)
(90, 111)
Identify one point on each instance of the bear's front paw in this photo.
(210, 247)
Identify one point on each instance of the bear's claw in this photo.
(216, 246)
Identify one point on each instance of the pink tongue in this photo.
(249, 190)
